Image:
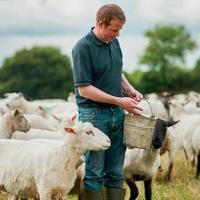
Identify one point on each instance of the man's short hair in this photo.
(109, 12)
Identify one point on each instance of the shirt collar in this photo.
(95, 38)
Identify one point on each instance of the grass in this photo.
(184, 185)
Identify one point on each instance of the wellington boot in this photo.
(93, 195)
(114, 193)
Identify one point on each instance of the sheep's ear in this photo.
(73, 118)
(171, 123)
(40, 107)
(6, 95)
(16, 112)
(56, 118)
(70, 130)
(20, 94)
(71, 121)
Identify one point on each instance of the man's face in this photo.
(111, 31)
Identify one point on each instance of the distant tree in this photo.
(197, 66)
(195, 76)
(39, 72)
(167, 47)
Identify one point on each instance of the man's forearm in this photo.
(95, 94)
(125, 84)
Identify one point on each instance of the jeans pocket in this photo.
(87, 114)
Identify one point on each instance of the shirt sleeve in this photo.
(82, 70)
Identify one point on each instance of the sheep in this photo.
(49, 166)
(39, 122)
(12, 121)
(196, 146)
(169, 145)
(157, 108)
(142, 164)
(17, 100)
(185, 129)
(47, 134)
(161, 109)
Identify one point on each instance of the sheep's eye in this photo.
(89, 133)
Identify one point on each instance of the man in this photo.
(99, 82)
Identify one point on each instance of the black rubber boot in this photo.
(93, 195)
(114, 193)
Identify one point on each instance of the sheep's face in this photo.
(160, 132)
(14, 100)
(91, 137)
(19, 122)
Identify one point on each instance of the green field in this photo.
(184, 185)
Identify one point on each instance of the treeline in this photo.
(179, 80)
(164, 57)
(44, 72)
(39, 73)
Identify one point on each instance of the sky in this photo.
(61, 23)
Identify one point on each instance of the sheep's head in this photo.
(19, 122)
(160, 132)
(92, 138)
(15, 100)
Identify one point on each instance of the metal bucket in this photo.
(138, 130)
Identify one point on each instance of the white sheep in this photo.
(156, 106)
(39, 122)
(17, 100)
(196, 146)
(142, 164)
(12, 121)
(169, 145)
(185, 129)
(47, 167)
(46, 134)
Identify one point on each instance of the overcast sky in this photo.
(24, 23)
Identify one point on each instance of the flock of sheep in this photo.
(42, 144)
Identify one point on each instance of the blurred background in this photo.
(159, 42)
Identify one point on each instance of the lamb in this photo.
(49, 169)
(12, 121)
(141, 165)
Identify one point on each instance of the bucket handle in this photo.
(152, 114)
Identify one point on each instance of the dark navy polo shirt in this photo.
(99, 64)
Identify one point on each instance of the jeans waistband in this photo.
(100, 106)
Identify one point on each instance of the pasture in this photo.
(183, 186)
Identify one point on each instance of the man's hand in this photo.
(130, 105)
(133, 93)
